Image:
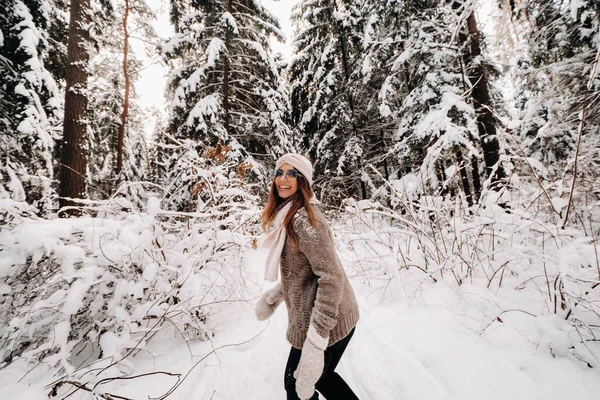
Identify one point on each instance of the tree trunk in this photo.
(475, 175)
(486, 123)
(346, 66)
(517, 5)
(125, 111)
(226, 68)
(73, 157)
(464, 177)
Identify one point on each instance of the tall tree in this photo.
(225, 84)
(384, 83)
(73, 157)
(426, 122)
(324, 92)
(553, 66)
(127, 79)
(480, 95)
(30, 104)
(117, 122)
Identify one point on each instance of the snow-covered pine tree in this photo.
(480, 95)
(225, 85)
(30, 103)
(554, 67)
(413, 53)
(325, 93)
(159, 149)
(382, 88)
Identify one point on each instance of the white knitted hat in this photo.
(301, 163)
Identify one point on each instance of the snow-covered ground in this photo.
(425, 347)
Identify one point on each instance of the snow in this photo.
(387, 89)
(402, 58)
(409, 185)
(369, 30)
(230, 22)
(12, 390)
(21, 90)
(416, 339)
(15, 186)
(366, 70)
(205, 110)
(575, 6)
(30, 38)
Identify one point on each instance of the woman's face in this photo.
(286, 186)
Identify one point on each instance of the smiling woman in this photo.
(322, 307)
(286, 180)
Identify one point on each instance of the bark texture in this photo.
(125, 111)
(73, 157)
(486, 122)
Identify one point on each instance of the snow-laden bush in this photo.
(190, 172)
(108, 282)
(517, 258)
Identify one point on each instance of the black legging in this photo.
(330, 385)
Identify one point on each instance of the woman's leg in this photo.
(289, 381)
(331, 385)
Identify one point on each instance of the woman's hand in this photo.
(311, 365)
(268, 302)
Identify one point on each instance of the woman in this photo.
(322, 308)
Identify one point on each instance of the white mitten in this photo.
(268, 302)
(312, 362)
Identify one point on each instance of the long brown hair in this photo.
(300, 199)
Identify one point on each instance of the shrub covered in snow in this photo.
(111, 280)
(517, 258)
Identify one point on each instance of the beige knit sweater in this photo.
(315, 287)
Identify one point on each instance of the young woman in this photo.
(322, 308)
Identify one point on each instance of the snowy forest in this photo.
(456, 150)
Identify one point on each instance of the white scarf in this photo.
(276, 240)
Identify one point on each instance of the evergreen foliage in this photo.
(326, 95)
(225, 85)
(385, 89)
(30, 104)
(553, 69)
(417, 92)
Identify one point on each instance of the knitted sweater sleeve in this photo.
(317, 245)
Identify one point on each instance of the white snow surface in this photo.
(416, 340)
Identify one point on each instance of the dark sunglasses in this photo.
(292, 173)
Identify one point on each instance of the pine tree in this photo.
(325, 95)
(383, 87)
(73, 153)
(482, 103)
(414, 59)
(225, 85)
(30, 104)
(553, 66)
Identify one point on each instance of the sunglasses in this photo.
(292, 173)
